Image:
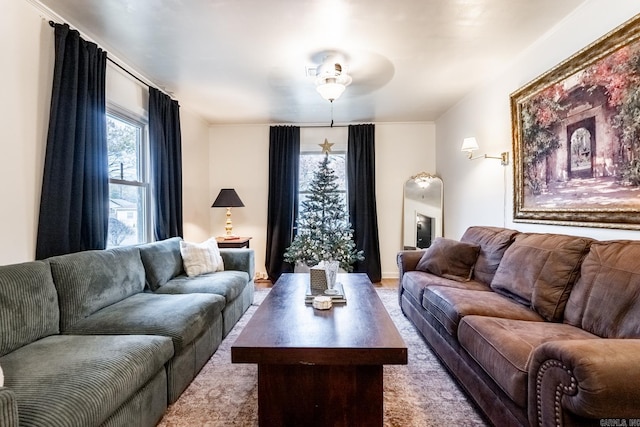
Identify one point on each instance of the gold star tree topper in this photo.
(326, 146)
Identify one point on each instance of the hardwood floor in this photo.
(385, 283)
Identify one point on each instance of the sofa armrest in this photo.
(408, 260)
(8, 408)
(595, 378)
(242, 259)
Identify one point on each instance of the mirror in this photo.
(422, 216)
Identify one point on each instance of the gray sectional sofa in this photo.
(111, 337)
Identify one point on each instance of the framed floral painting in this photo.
(576, 137)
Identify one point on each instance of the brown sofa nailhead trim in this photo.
(561, 389)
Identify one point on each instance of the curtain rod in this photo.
(321, 126)
(127, 71)
(113, 61)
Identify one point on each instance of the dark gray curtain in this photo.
(361, 182)
(74, 204)
(284, 161)
(165, 144)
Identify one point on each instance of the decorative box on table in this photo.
(318, 278)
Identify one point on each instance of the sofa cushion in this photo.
(29, 304)
(89, 281)
(449, 258)
(229, 284)
(539, 270)
(502, 347)
(162, 261)
(201, 258)
(449, 305)
(81, 380)
(493, 242)
(606, 297)
(180, 317)
(241, 259)
(415, 282)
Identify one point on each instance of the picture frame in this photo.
(576, 137)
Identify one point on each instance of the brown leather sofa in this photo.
(538, 329)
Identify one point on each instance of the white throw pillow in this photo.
(201, 258)
(1, 377)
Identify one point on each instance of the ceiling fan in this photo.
(331, 78)
(336, 70)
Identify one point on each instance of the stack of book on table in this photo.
(336, 298)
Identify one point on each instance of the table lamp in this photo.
(228, 198)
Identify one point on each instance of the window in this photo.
(309, 162)
(129, 219)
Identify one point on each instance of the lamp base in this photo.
(231, 237)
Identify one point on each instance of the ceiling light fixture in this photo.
(331, 81)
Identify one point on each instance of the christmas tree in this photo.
(324, 232)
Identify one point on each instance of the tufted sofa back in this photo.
(493, 242)
(539, 270)
(29, 305)
(162, 261)
(606, 298)
(91, 280)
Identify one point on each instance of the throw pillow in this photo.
(201, 258)
(450, 259)
(539, 271)
(493, 242)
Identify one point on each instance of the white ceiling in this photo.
(243, 61)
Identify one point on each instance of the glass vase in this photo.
(331, 270)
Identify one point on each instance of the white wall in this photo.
(480, 192)
(402, 150)
(195, 176)
(239, 158)
(27, 50)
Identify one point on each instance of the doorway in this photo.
(581, 147)
(424, 229)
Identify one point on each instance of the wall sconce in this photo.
(470, 145)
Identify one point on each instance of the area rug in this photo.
(419, 394)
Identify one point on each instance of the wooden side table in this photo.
(240, 242)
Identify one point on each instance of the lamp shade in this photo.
(227, 198)
(469, 144)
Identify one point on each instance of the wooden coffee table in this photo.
(320, 367)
